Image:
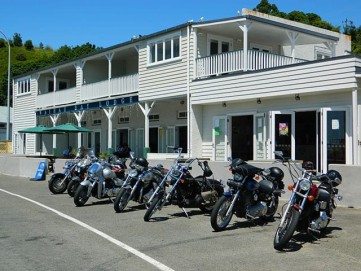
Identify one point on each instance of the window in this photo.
(97, 122)
(123, 120)
(182, 115)
(154, 117)
(23, 86)
(164, 49)
(61, 84)
(322, 53)
(219, 45)
(261, 48)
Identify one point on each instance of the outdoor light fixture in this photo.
(259, 101)
(224, 104)
(297, 97)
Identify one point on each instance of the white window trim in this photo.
(163, 39)
(18, 86)
(322, 51)
(219, 39)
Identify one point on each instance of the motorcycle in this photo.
(185, 189)
(58, 182)
(139, 184)
(311, 204)
(101, 182)
(253, 193)
(81, 170)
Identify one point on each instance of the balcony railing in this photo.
(234, 61)
(59, 97)
(98, 90)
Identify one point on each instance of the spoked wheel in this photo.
(219, 217)
(154, 206)
(72, 186)
(284, 233)
(81, 195)
(57, 185)
(121, 200)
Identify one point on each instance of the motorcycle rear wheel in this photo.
(154, 206)
(80, 196)
(283, 235)
(72, 186)
(57, 185)
(219, 219)
(121, 200)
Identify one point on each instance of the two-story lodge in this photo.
(243, 87)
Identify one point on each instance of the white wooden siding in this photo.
(164, 80)
(305, 78)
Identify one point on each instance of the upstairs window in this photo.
(165, 49)
(322, 53)
(23, 86)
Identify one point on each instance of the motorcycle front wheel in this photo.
(219, 217)
(154, 206)
(80, 196)
(284, 233)
(72, 186)
(57, 185)
(121, 200)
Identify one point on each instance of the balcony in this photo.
(102, 89)
(234, 61)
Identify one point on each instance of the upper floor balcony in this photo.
(91, 91)
(235, 61)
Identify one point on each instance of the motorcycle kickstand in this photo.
(185, 211)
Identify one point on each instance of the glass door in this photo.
(259, 137)
(219, 139)
(283, 133)
(334, 137)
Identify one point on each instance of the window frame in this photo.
(153, 57)
(23, 86)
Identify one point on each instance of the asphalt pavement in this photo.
(43, 231)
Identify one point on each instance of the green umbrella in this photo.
(40, 129)
(68, 128)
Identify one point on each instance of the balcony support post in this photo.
(109, 57)
(146, 110)
(245, 26)
(293, 36)
(54, 119)
(79, 115)
(109, 112)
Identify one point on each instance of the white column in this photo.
(293, 36)
(109, 112)
(146, 110)
(79, 115)
(245, 26)
(54, 119)
(109, 57)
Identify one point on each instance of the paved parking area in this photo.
(50, 233)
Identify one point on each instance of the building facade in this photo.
(243, 87)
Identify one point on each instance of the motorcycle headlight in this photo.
(238, 177)
(305, 185)
(133, 173)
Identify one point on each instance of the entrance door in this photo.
(123, 136)
(333, 134)
(139, 151)
(306, 137)
(219, 139)
(153, 139)
(283, 134)
(242, 137)
(96, 144)
(182, 138)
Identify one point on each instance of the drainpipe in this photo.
(355, 140)
(188, 95)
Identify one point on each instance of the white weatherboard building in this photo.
(242, 87)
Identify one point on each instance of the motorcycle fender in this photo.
(58, 175)
(86, 182)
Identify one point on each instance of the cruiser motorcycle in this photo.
(253, 193)
(311, 204)
(140, 183)
(101, 182)
(185, 190)
(59, 181)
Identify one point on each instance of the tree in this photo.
(265, 7)
(28, 45)
(17, 40)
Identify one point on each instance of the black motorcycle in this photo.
(311, 204)
(185, 190)
(140, 183)
(253, 193)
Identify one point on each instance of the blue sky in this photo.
(109, 22)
